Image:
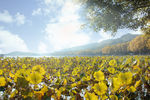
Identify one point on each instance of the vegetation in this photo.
(118, 49)
(111, 15)
(92, 78)
(139, 45)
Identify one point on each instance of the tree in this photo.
(111, 15)
(119, 49)
(140, 44)
(148, 44)
(107, 50)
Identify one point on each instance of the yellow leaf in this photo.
(65, 82)
(132, 89)
(2, 81)
(100, 88)
(35, 78)
(91, 96)
(137, 83)
(99, 76)
(113, 97)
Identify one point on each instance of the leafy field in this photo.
(75, 78)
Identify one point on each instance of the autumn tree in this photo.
(140, 44)
(118, 49)
(106, 50)
(148, 44)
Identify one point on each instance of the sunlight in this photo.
(66, 32)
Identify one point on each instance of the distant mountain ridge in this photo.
(74, 50)
(19, 53)
(95, 46)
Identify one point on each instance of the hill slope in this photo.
(19, 53)
(95, 46)
(89, 49)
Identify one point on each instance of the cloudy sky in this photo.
(43, 26)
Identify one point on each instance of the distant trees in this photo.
(148, 43)
(139, 45)
(89, 52)
(107, 50)
(121, 48)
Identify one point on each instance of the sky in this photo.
(45, 26)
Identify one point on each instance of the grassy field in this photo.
(75, 78)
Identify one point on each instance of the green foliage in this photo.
(112, 15)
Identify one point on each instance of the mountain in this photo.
(19, 53)
(88, 49)
(122, 39)
(95, 47)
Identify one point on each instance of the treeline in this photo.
(139, 45)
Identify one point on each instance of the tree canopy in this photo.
(111, 15)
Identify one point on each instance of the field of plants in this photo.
(75, 78)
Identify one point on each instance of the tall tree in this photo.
(111, 15)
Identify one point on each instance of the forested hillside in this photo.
(139, 45)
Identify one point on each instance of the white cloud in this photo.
(138, 31)
(121, 32)
(42, 47)
(37, 12)
(65, 35)
(68, 12)
(10, 42)
(48, 2)
(51, 7)
(104, 35)
(5, 17)
(66, 32)
(1, 27)
(20, 18)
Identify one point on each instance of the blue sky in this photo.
(44, 26)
